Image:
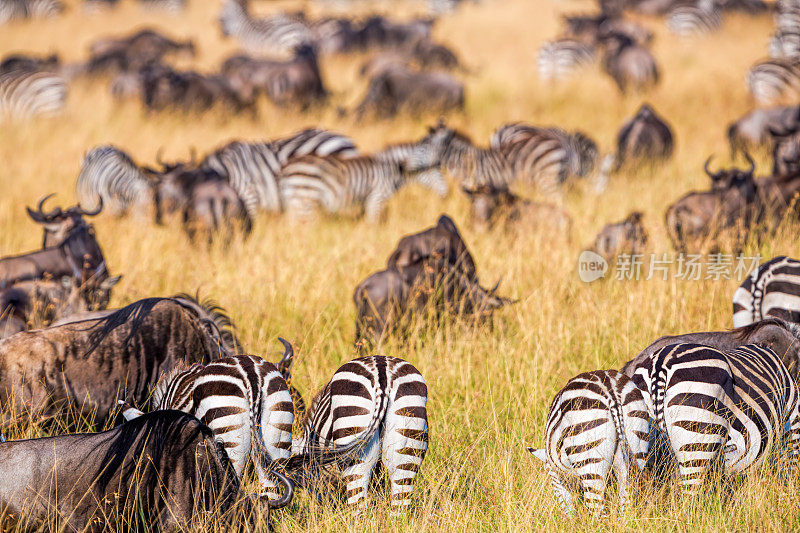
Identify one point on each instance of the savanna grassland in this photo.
(489, 389)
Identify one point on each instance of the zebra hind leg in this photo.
(404, 446)
(358, 475)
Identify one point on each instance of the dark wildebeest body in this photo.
(380, 32)
(701, 218)
(214, 206)
(295, 81)
(86, 366)
(143, 48)
(631, 65)
(753, 129)
(400, 88)
(645, 138)
(499, 206)
(626, 237)
(164, 469)
(781, 337)
(164, 88)
(16, 62)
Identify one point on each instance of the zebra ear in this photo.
(539, 454)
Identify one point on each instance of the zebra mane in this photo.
(209, 310)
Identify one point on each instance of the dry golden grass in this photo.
(489, 390)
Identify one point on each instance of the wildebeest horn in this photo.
(750, 162)
(496, 286)
(705, 166)
(285, 364)
(82, 211)
(40, 216)
(288, 493)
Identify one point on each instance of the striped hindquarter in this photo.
(597, 423)
(768, 80)
(109, 175)
(25, 94)
(733, 407)
(395, 390)
(559, 59)
(771, 290)
(241, 398)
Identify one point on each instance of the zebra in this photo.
(561, 58)
(170, 6)
(22, 9)
(243, 399)
(785, 44)
(252, 168)
(26, 93)
(338, 185)
(597, 422)
(109, 177)
(733, 405)
(769, 79)
(387, 389)
(280, 33)
(404, 153)
(698, 19)
(771, 290)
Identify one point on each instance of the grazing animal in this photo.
(630, 64)
(770, 79)
(699, 219)
(771, 290)
(277, 34)
(111, 179)
(163, 470)
(644, 138)
(28, 90)
(337, 185)
(626, 237)
(294, 81)
(699, 19)
(386, 392)
(597, 423)
(82, 368)
(381, 32)
(134, 52)
(402, 89)
(214, 207)
(252, 168)
(731, 406)
(58, 224)
(189, 91)
(785, 44)
(243, 399)
(560, 58)
(753, 129)
(25, 9)
(499, 206)
(13, 306)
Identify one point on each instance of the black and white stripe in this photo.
(771, 290)
(597, 423)
(386, 388)
(699, 19)
(109, 175)
(277, 34)
(28, 93)
(561, 58)
(339, 185)
(252, 168)
(785, 44)
(170, 6)
(771, 79)
(23, 9)
(246, 403)
(733, 406)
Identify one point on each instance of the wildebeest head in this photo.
(172, 184)
(488, 200)
(58, 223)
(29, 63)
(728, 178)
(628, 236)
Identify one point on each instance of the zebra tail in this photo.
(619, 423)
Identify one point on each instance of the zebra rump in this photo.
(771, 290)
(25, 93)
(770, 79)
(733, 406)
(110, 176)
(558, 59)
(23, 9)
(597, 423)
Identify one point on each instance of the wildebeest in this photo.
(626, 237)
(213, 207)
(165, 88)
(295, 81)
(142, 48)
(401, 88)
(499, 206)
(753, 129)
(29, 63)
(84, 367)
(630, 64)
(700, 219)
(781, 337)
(381, 32)
(58, 223)
(646, 137)
(163, 470)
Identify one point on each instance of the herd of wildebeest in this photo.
(66, 359)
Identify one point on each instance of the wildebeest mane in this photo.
(744, 332)
(208, 310)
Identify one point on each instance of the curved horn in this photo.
(705, 166)
(285, 364)
(750, 162)
(39, 215)
(288, 493)
(82, 211)
(496, 286)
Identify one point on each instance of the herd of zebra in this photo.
(727, 398)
